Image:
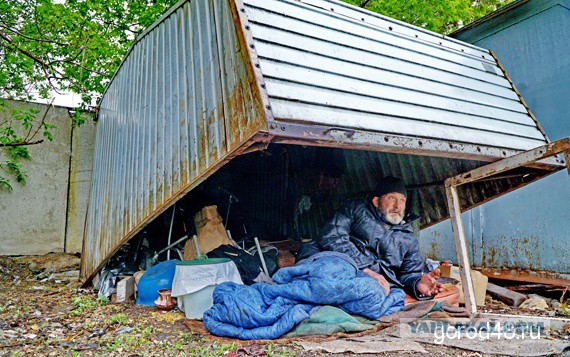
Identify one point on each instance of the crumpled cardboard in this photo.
(210, 232)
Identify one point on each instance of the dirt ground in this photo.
(40, 316)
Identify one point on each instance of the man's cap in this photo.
(390, 184)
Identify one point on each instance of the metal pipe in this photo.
(170, 230)
(231, 239)
(261, 256)
(195, 237)
(170, 246)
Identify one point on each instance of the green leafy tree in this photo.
(49, 46)
(442, 16)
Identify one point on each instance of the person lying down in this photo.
(268, 311)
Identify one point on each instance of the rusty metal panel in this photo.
(289, 195)
(332, 64)
(423, 176)
(181, 104)
(243, 117)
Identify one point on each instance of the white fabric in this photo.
(191, 278)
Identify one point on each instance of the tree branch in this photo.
(16, 32)
(28, 137)
(22, 143)
(43, 64)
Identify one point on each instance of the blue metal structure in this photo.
(528, 228)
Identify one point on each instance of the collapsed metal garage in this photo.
(278, 100)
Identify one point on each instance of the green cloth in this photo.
(328, 320)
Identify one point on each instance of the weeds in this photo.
(85, 304)
(119, 319)
(223, 348)
(272, 352)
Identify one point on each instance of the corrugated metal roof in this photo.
(213, 77)
(325, 66)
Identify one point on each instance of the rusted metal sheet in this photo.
(512, 162)
(182, 103)
(330, 64)
(284, 174)
(528, 276)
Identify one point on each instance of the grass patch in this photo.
(85, 304)
(119, 319)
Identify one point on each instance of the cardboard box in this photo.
(479, 283)
(125, 289)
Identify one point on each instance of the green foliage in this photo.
(442, 16)
(274, 352)
(62, 46)
(72, 45)
(85, 304)
(18, 129)
(119, 319)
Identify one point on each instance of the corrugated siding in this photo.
(422, 175)
(328, 63)
(178, 105)
(271, 186)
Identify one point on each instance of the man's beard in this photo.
(392, 217)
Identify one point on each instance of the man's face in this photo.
(392, 206)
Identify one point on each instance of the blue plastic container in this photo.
(158, 277)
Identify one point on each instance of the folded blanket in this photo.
(328, 320)
(263, 311)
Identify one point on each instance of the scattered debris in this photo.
(45, 317)
(492, 346)
(57, 262)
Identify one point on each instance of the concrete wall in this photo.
(527, 228)
(47, 214)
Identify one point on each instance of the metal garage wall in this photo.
(180, 103)
(332, 64)
(529, 228)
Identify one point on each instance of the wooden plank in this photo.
(535, 288)
(511, 298)
(510, 163)
(461, 248)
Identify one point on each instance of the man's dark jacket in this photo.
(391, 250)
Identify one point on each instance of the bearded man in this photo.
(377, 233)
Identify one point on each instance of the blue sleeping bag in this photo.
(263, 311)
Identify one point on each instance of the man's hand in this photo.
(380, 279)
(428, 285)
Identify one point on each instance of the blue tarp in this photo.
(264, 311)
